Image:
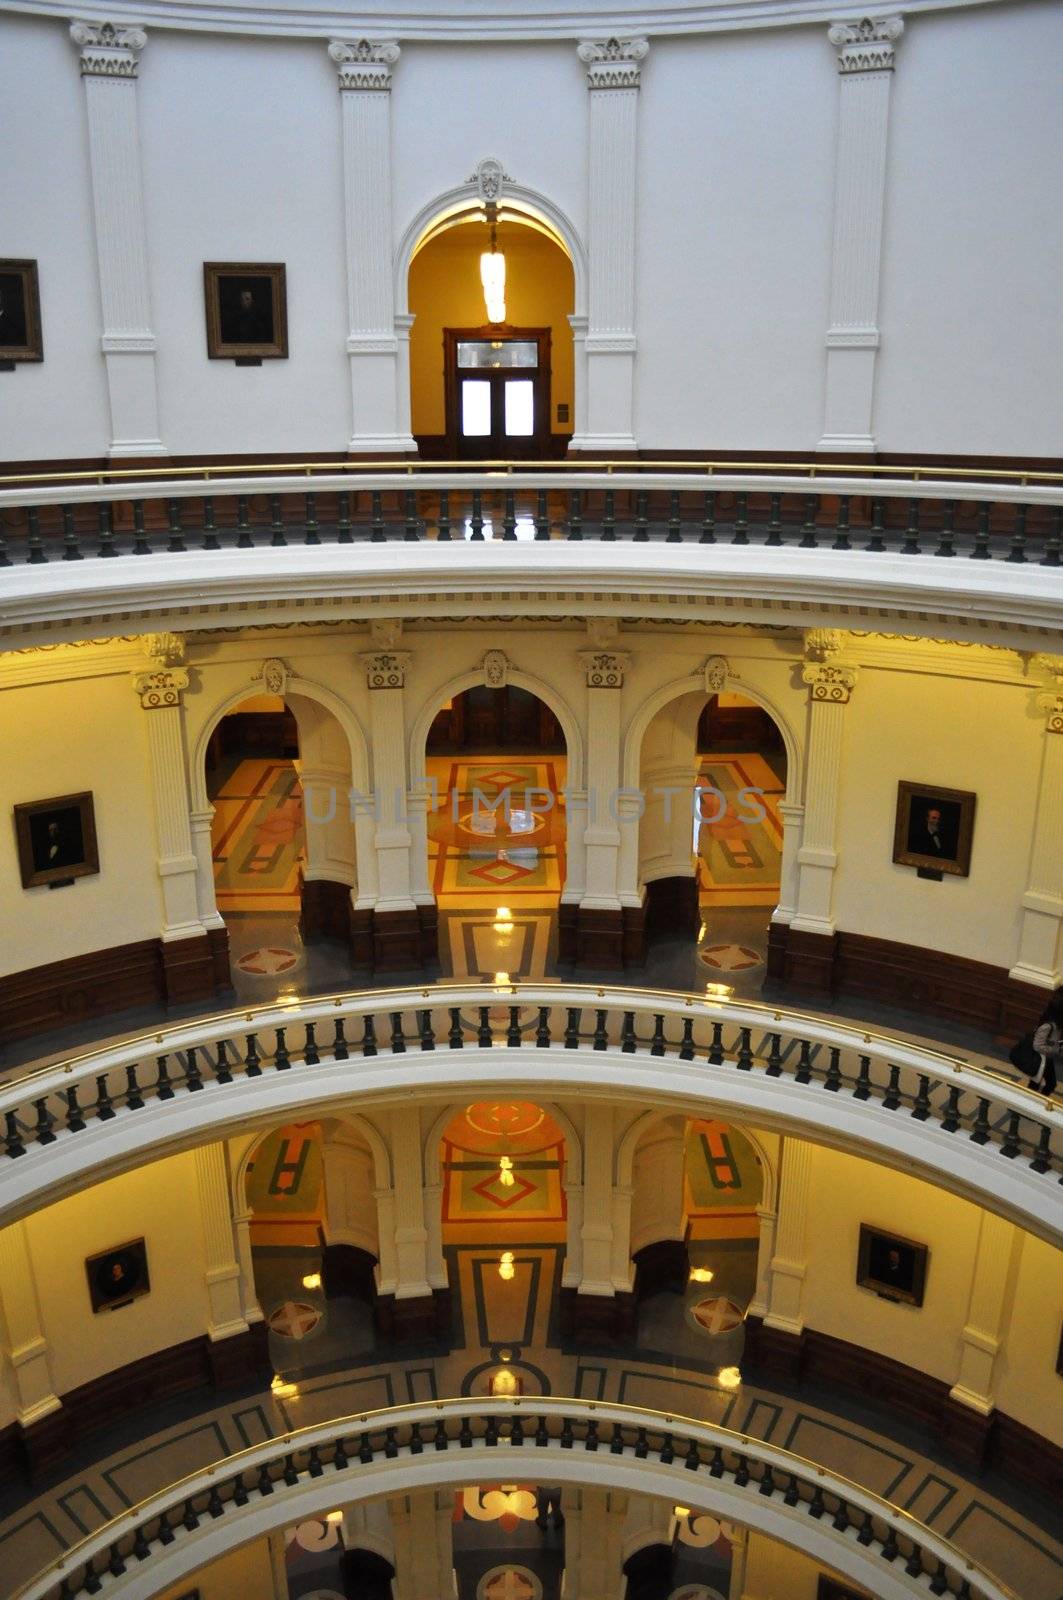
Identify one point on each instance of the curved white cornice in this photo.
(477, 21)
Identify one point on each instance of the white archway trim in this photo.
(294, 685)
(362, 1126)
(537, 208)
(625, 1154)
(523, 680)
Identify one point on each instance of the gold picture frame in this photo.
(20, 312)
(56, 840)
(934, 828)
(892, 1267)
(247, 310)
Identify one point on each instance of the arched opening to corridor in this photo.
(713, 773)
(496, 762)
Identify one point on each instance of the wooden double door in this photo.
(497, 382)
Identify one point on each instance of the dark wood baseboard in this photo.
(397, 941)
(661, 1268)
(567, 917)
(971, 1440)
(199, 1363)
(672, 910)
(904, 975)
(187, 969)
(634, 936)
(325, 910)
(219, 950)
(599, 939)
(424, 1319)
(596, 1319)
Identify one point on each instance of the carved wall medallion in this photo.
(489, 177)
(274, 675)
(716, 671)
(496, 669)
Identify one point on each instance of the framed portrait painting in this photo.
(118, 1276)
(56, 840)
(934, 828)
(247, 310)
(20, 312)
(893, 1267)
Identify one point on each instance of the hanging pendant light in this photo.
(493, 274)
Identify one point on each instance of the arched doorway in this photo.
(496, 764)
(489, 382)
(713, 771)
(504, 1221)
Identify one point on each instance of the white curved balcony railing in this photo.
(799, 534)
(968, 1130)
(307, 1473)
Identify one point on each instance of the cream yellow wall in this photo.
(65, 738)
(1028, 1386)
(243, 1574)
(445, 292)
(157, 1203)
(775, 1571)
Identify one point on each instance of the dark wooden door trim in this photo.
(538, 446)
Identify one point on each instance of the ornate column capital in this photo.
(605, 668)
(867, 44)
(495, 666)
(1052, 706)
(365, 64)
(108, 51)
(715, 673)
(613, 63)
(161, 688)
(831, 683)
(386, 669)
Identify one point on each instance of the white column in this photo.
(578, 324)
(766, 1222)
(386, 678)
(109, 62)
(26, 1347)
(596, 1233)
(989, 1310)
(421, 1525)
(601, 837)
(221, 1255)
(830, 686)
(329, 835)
(160, 691)
(865, 63)
(613, 74)
(666, 838)
(594, 1544)
(793, 822)
(410, 1234)
(417, 813)
(1040, 942)
(380, 423)
(252, 1310)
(203, 849)
(572, 1271)
(658, 1173)
(791, 1237)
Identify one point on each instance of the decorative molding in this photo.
(274, 674)
(161, 688)
(495, 669)
(822, 643)
(605, 668)
(168, 649)
(372, 344)
(128, 344)
(611, 344)
(386, 669)
(386, 632)
(716, 671)
(613, 63)
(831, 683)
(108, 51)
(867, 45)
(489, 177)
(366, 64)
(853, 339)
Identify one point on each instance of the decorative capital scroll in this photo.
(161, 688)
(1052, 706)
(108, 51)
(715, 672)
(489, 177)
(605, 668)
(1048, 667)
(613, 63)
(168, 649)
(366, 64)
(495, 669)
(830, 683)
(386, 669)
(866, 45)
(274, 675)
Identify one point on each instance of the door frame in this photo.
(539, 443)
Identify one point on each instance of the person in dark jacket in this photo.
(1048, 1042)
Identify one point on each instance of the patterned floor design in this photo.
(257, 838)
(498, 830)
(739, 857)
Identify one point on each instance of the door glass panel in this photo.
(497, 353)
(475, 408)
(520, 408)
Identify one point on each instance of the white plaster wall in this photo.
(56, 407)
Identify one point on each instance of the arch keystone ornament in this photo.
(274, 675)
(496, 669)
(489, 177)
(365, 64)
(716, 672)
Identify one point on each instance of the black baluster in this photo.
(542, 1029)
(281, 1059)
(766, 1486)
(914, 1564)
(1010, 1143)
(190, 1518)
(657, 1043)
(310, 529)
(542, 1437)
(455, 1038)
(675, 524)
(426, 1033)
(440, 1440)
(939, 1583)
(163, 1086)
(910, 547)
(642, 1444)
(609, 516)
(491, 1434)
(291, 1477)
(542, 516)
(742, 1471)
(981, 537)
(601, 1037)
(413, 527)
(708, 521)
(1042, 1158)
(686, 1044)
(840, 1520)
(74, 1121)
(340, 1458)
(590, 1442)
(5, 559)
(833, 1077)
(892, 1098)
(509, 516)
(877, 541)
(315, 1467)
(264, 1483)
(116, 1563)
(1053, 555)
(141, 1547)
(210, 530)
(516, 1432)
(398, 1038)
(443, 524)
(980, 1133)
(92, 1584)
(193, 1076)
(177, 532)
(862, 1091)
(365, 1449)
(104, 1107)
(793, 1493)
(808, 540)
(311, 1055)
(105, 523)
(947, 542)
(866, 1535)
(642, 521)
(666, 1454)
(921, 1104)
(950, 1121)
(1018, 536)
(627, 1034)
(744, 1058)
(240, 1494)
(572, 1027)
(841, 526)
(715, 1056)
(692, 1459)
(343, 518)
(13, 1145)
(339, 1045)
(803, 1072)
(416, 1442)
(575, 514)
(368, 1036)
(244, 534)
(774, 1066)
(484, 1038)
(817, 1505)
(476, 521)
(376, 535)
(774, 520)
(252, 1069)
(35, 544)
(70, 536)
(740, 535)
(566, 1437)
(43, 1128)
(717, 1466)
(276, 527)
(513, 1030)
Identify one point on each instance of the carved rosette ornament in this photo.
(495, 669)
(161, 688)
(365, 64)
(613, 63)
(866, 45)
(605, 668)
(274, 675)
(715, 671)
(386, 669)
(108, 51)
